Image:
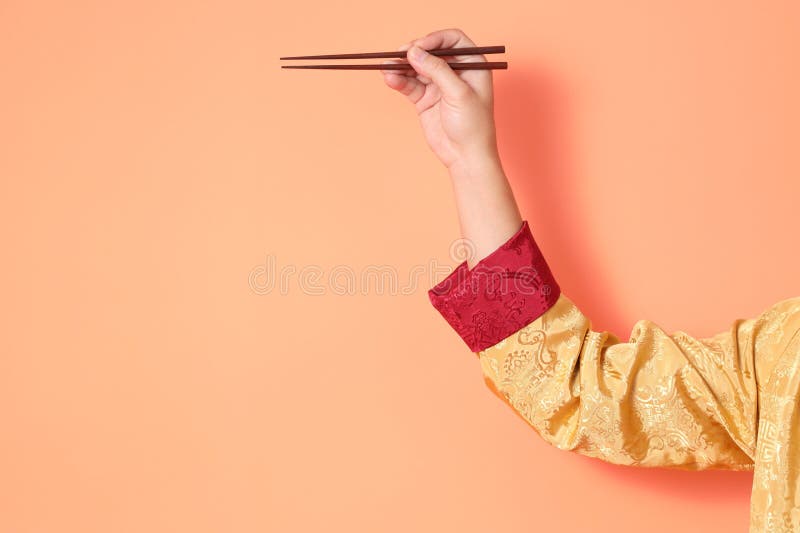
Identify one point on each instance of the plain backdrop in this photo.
(156, 164)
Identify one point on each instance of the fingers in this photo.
(424, 79)
(404, 81)
(479, 81)
(427, 68)
(408, 85)
(437, 69)
(448, 38)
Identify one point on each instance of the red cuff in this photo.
(505, 291)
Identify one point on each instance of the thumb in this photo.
(437, 70)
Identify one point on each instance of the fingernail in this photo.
(417, 53)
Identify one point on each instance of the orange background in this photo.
(153, 155)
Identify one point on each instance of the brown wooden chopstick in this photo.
(477, 65)
(470, 50)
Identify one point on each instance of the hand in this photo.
(455, 108)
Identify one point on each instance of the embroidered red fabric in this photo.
(504, 292)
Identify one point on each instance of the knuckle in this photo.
(454, 30)
(462, 36)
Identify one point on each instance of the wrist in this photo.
(476, 163)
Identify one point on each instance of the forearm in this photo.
(487, 210)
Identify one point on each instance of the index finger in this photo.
(448, 38)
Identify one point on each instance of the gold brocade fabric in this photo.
(729, 401)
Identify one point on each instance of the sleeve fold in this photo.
(505, 290)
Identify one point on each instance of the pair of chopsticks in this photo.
(472, 50)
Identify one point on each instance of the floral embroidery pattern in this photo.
(505, 290)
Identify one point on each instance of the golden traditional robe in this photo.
(728, 401)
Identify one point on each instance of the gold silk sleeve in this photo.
(661, 399)
(728, 401)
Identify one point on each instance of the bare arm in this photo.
(487, 210)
